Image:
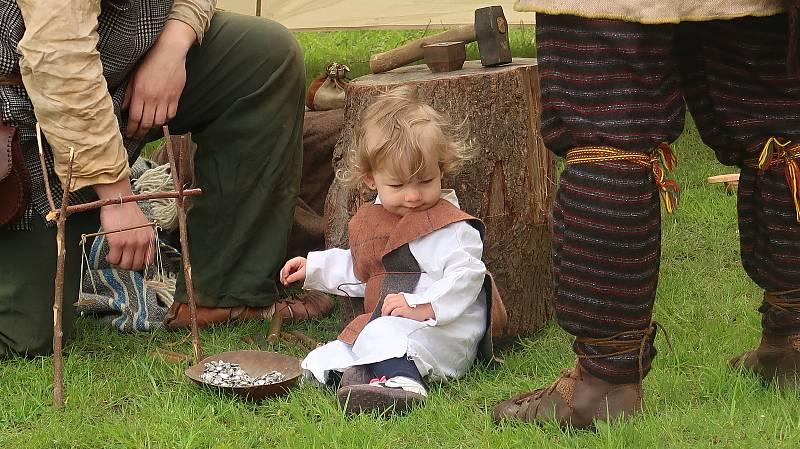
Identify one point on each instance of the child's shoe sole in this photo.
(383, 400)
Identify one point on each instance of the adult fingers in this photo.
(137, 261)
(114, 255)
(126, 261)
(134, 116)
(126, 100)
(172, 110)
(160, 115)
(148, 118)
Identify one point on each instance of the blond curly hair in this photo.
(401, 135)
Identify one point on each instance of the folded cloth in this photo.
(129, 300)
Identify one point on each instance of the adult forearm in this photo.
(195, 13)
(63, 75)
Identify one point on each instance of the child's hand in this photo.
(294, 270)
(395, 305)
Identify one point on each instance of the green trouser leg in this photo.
(27, 272)
(243, 103)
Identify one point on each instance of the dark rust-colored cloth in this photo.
(793, 57)
(321, 131)
(379, 245)
(15, 191)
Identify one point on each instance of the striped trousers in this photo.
(627, 85)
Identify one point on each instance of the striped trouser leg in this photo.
(614, 84)
(606, 223)
(770, 242)
(740, 95)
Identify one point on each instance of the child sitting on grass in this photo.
(414, 256)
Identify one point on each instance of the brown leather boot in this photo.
(576, 399)
(305, 305)
(776, 359)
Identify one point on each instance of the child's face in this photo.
(402, 197)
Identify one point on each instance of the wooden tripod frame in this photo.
(61, 215)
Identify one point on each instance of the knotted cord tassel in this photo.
(776, 151)
(662, 161)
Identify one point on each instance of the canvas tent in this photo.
(332, 14)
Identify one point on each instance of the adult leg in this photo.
(27, 273)
(744, 97)
(243, 102)
(613, 86)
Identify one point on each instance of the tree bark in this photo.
(509, 184)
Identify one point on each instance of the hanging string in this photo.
(85, 268)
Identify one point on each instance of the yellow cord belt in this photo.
(662, 161)
(778, 151)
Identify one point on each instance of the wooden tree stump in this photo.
(509, 184)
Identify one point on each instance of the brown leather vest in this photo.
(379, 238)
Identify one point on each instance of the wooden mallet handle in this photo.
(412, 51)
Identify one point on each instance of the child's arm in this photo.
(452, 253)
(329, 271)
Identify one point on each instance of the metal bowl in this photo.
(255, 363)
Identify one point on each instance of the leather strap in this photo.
(6, 139)
(15, 190)
(10, 80)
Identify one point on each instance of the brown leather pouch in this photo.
(15, 183)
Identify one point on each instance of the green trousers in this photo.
(244, 104)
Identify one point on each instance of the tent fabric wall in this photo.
(322, 14)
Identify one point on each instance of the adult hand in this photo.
(395, 305)
(129, 250)
(153, 91)
(294, 270)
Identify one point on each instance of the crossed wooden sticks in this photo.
(61, 215)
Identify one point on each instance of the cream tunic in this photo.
(453, 273)
(654, 11)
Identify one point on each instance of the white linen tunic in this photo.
(451, 281)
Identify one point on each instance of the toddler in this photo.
(414, 256)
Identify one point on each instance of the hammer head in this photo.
(491, 32)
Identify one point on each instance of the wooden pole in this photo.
(61, 216)
(58, 334)
(131, 198)
(44, 168)
(177, 179)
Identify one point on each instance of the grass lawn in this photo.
(120, 396)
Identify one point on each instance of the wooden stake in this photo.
(44, 168)
(61, 252)
(130, 199)
(61, 216)
(177, 179)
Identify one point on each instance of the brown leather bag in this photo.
(15, 183)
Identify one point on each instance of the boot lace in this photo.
(786, 301)
(617, 344)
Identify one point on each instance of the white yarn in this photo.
(165, 210)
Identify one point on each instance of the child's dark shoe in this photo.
(356, 375)
(395, 396)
